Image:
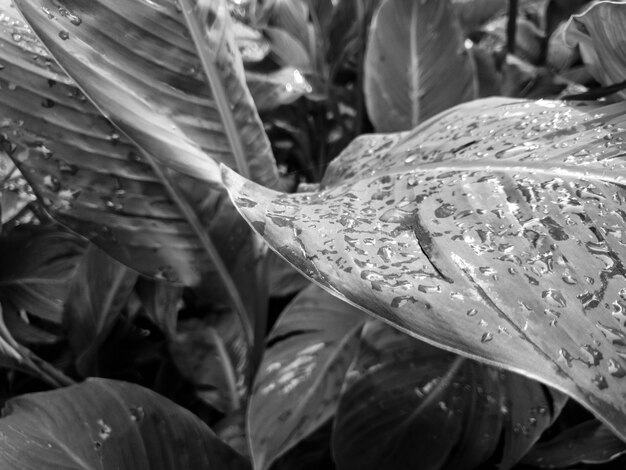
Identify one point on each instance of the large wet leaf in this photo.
(493, 230)
(600, 35)
(299, 381)
(107, 424)
(416, 64)
(406, 404)
(94, 180)
(180, 93)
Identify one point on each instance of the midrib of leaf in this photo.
(109, 300)
(227, 367)
(194, 18)
(414, 70)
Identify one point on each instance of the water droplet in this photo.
(554, 297)
(593, 355)
(51, 183)
(566, 356)
(445, 210)
(64, 35)
(17, 37)
(568, 279)
(104, 430)
(471, 312)
(137, 413)
(486, 337)
(614, 335)
(600, 382)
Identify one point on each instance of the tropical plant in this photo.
(447, 293)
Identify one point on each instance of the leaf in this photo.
(107, 424)
(598, 31)
(212, 354)
(298, 384)
(97, 294)
(492, 230)
(37, 265)
(474, 13)
(93, 179)
(588, 442)
(406, 404)
(284, 280)
(415, 64)
(153, 86)
(274, 89)
(160, 301)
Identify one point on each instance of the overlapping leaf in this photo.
(600, 35)
(493, 230)
(416, 64)
(93, 179)
(107, 424)
(406, 404)
(299, 381)
(97, 294)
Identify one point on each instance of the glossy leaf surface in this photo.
(406, 404)
(153, 86)
(299, 381)
(588, 442)
(104, 424)
(600, 35)
(93, 179)
(415, 65)
(493, 230)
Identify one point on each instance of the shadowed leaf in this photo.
(416, 64)
(299, 381)
(107, 424)
(97, 294)
(406, 404)
(492, 230)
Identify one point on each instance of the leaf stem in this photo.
(195, 18)
(511, 27)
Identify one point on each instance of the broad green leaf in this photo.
(179, 94)
(212, 354)
(588, 442)
(416, 64)
(94, 180)
(37, 266)
(104, 424)
(599, 33)
(493, 230)
(97, 294)
(161, 302)
(298, 384)
(406, 404)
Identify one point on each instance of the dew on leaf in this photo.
(471, 312)
(104, 430)
(600, 382)
(64, 35)
(486, 337)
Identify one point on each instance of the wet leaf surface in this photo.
(299, 381)
(599, 33)
(91, 178)
(415, 65)
(153, 86)
(406, 404)
(107, 424)
(494, 230)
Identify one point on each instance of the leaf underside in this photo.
(494, 230)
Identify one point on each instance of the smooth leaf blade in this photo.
(107, 424)
(406, 404)
(416, 64)
(299, 381)
(492, 230)
(152, 86)
(599, 33)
